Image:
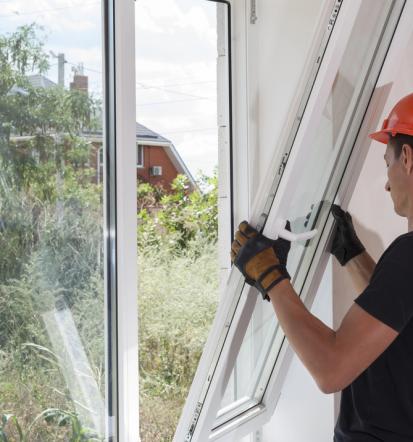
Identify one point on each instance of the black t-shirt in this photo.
(378, 405)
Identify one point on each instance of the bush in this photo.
(178, 295)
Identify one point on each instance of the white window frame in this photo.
(140, 147)
(235, 310)
(99, 165)
(120, 175)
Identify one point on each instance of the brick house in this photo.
(158, 162)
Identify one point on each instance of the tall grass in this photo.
(178, 295)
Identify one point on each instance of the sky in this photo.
(176, 56)
(176, 47)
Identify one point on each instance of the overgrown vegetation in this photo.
(50, 244)
(178, 288)
(51, 262)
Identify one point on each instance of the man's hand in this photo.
(346, 244)
(261, 260)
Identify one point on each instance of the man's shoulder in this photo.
(400, 249)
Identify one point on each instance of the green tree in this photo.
(43, 157)
(50, 229)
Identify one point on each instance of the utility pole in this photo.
(61, 63)
(61, 67)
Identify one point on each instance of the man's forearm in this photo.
(311, 339)
(360, 269)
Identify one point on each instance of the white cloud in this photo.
(56, 15)
(176, 44)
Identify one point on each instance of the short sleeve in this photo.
(389, 296)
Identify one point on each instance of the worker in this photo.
(370, 356)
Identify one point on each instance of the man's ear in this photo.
(407, 158)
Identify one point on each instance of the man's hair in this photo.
(398, 141)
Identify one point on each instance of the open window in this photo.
(66, 223)
(240, 376)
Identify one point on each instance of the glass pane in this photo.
(308, 205)
(176, 53)
(52, 318)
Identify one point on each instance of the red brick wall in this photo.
(80, 83)
(156, 156)
(152, 156)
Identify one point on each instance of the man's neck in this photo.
(410, 224)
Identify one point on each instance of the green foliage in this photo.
(175, 311)
(51, 253)
(178, 295)
(179, 216)
(50, 242)
(20, 52)
(55, 416)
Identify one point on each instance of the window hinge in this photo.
(194, 421)
(283, 164)
(253, 16)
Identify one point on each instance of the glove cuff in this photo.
(264, 290)
(351, 253)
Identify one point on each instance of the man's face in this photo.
(397, 180)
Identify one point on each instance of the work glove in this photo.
(261, 260)
(346, 244)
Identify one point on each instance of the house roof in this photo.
(39, 80)
(143, 133)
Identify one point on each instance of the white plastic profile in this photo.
(235, 310)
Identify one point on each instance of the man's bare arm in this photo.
(360, 269)
(334, 358)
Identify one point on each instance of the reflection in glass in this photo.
(308, 205)
(52, 345)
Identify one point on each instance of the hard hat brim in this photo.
(382, 136)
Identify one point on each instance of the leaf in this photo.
(19, 428)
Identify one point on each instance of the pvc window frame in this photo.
(122, 388)
(140, 156)
(235, 310)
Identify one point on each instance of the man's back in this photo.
(378, 405)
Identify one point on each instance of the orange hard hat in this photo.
(399, 121)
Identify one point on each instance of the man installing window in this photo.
(370, 356)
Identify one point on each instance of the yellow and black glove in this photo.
(261, 260)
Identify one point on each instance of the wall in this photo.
(156, 156)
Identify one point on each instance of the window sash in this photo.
(236, 310)
(140, 156)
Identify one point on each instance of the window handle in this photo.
(281, 232)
